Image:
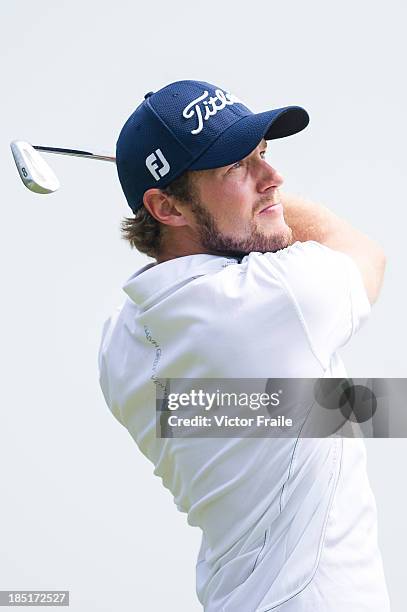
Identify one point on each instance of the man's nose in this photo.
(269, 177)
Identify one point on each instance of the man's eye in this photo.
(239, 163)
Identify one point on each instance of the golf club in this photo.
(35, 173)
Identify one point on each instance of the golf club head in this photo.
(35, 173)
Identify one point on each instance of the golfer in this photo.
(246, 282)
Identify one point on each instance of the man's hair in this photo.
(143, 231)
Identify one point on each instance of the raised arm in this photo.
(312, 221)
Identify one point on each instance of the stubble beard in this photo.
(216, 242)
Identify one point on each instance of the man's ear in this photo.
(164, 208)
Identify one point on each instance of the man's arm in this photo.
(311, 221)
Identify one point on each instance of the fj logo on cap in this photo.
(153, 165)
(210, 107)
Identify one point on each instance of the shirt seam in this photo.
(301, 318)
(352, 314)
(336, 455)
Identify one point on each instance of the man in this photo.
(248, 283)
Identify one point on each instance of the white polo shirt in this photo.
(288, 524)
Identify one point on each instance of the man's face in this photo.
(228, 210)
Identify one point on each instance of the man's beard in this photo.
(215, 242)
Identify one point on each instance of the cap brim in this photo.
(241, 138)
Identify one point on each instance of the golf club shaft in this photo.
(74, 153)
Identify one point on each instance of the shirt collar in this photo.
(154, 279)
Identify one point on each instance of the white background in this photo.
(80, 508)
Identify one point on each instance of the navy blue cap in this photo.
(192, 125)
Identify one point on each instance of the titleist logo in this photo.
(202, 108)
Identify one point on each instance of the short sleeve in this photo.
(326, 288)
